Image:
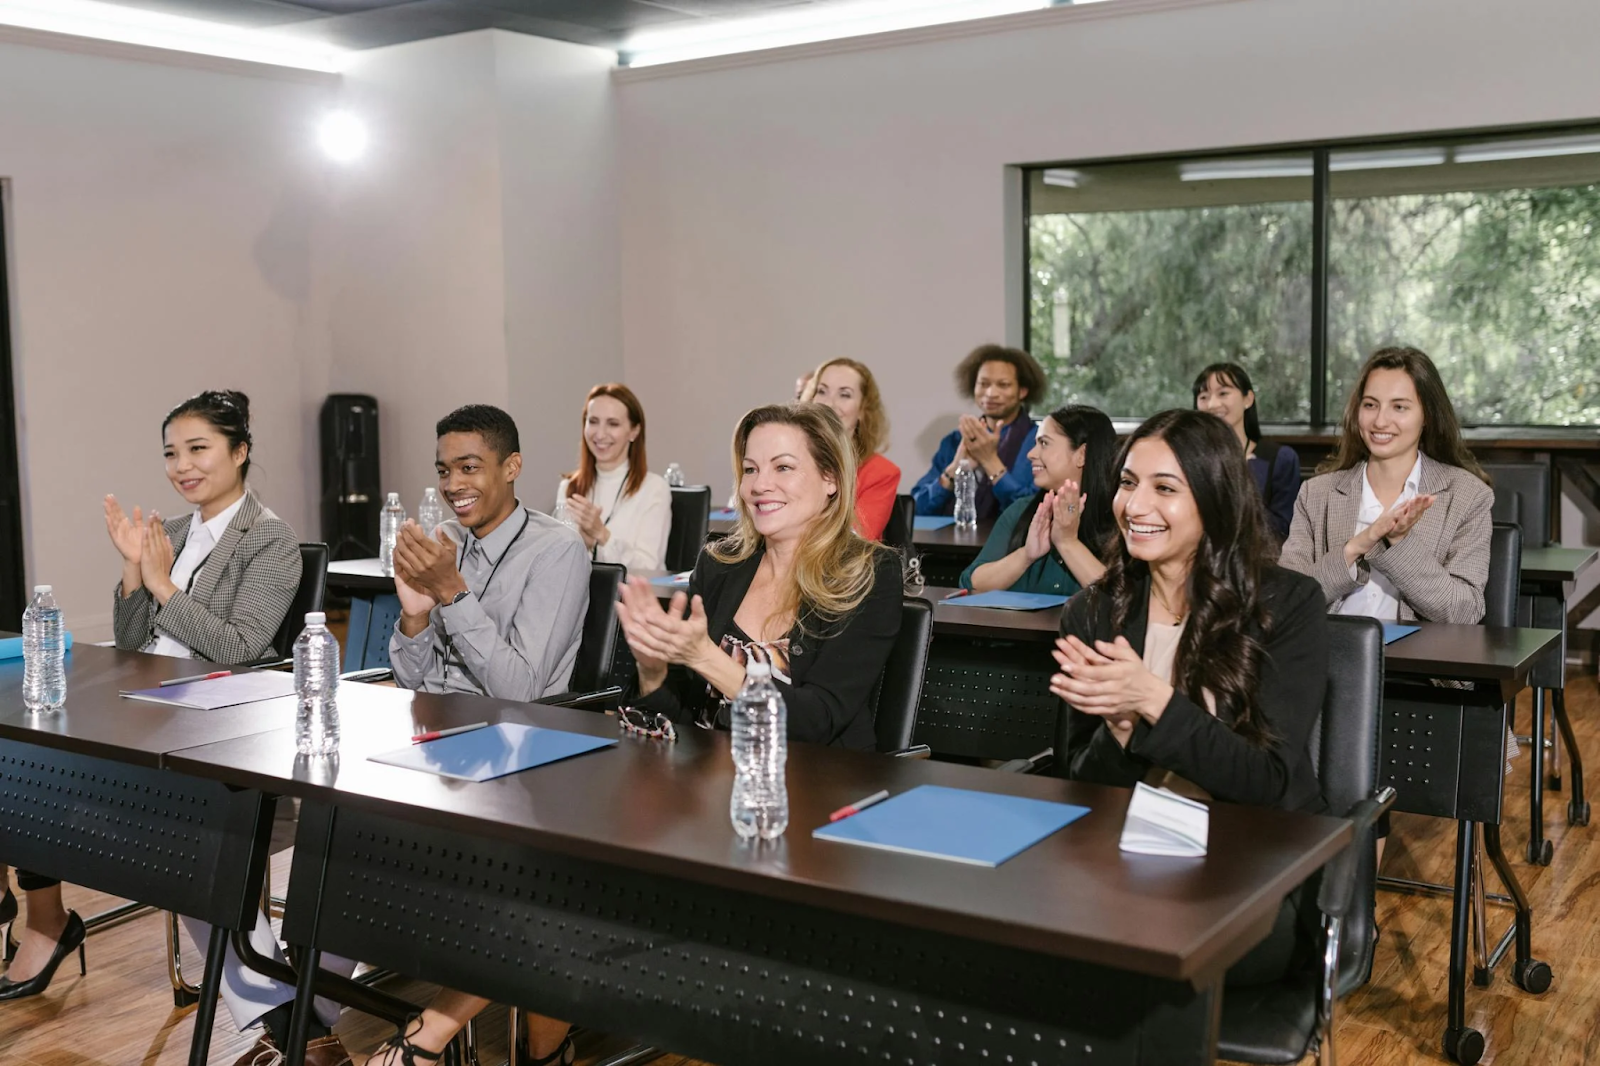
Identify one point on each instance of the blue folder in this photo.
(11, 647)
(493, 751)
(1393, 632)
(1009, 601)
(927, 523)
(724, 514)
(981, 828)
(672, 581)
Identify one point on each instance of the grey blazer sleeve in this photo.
(269, 575)
(1448, 589)
(1300, 550)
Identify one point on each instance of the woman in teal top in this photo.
(1051, 541)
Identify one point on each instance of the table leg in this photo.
(1553, 781)
(305, 997)
(1577, 806)
(1461, 1044)
(210, 988)
(1480, 921)
(1530, 974)
(1539, 850)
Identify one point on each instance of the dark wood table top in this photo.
(952, 618)
(1555, 563)
(1468, 653)
(97, 721)
(663, 808)
(358, 575)
(949, 539)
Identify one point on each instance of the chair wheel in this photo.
(1577, 812)
(1463, 1045)
(1532, 976)
(1481, 976)
(1541, 854)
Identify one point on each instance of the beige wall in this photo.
(783, 211)
(160, 221)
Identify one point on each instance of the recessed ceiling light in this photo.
(109, 22)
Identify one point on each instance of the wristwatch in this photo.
(458, 597)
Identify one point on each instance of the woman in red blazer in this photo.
(848, 387)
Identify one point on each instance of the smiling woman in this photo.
(622, 511)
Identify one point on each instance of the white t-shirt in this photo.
(197, 547)
(1378, 598)
(639, 524)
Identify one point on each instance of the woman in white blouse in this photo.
(622, 511)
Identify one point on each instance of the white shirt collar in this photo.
(217, 524)
(1371, 508)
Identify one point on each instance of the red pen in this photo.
(858, 806)
(212, 676)
(958, 593)
(423, 738)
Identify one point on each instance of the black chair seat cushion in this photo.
(1269, 1023)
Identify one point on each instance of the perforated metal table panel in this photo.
(611, 890)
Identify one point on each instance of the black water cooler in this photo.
(351, 498)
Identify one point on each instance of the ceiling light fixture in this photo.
(1062, 179)
(820, 23)
(342, 136)
(1235, 169)
(1530, 148)
(109, 22)
(1387, 159)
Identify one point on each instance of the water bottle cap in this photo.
(394, 497)
(759, 670)
(316, 618)
(40, 590)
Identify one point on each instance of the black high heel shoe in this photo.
(72, 938)
(8, 918)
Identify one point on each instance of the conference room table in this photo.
(611, 890)
(945, 551)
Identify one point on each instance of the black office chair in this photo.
(691, 520)
(1281, 1023)
(902, 523)
(593, 683)
(309, 597)
(1505, 575)
(1522, 497)
(900, 688)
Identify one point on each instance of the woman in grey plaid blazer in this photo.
(1397, 524)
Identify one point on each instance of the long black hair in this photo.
(227, 411)
(1090, 429)
(1232, 374)
(1221, 649)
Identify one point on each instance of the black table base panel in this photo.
(944, 569)
(714, 973)
(1443, 750)
(175, 842)
(988, 699)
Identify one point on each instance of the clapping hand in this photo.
(981, 442)
(1393, 524)
(586, 519)
(1109, 680)
(1068, 502)
(127, 534)
(427, 565)
(1037, 544)
(155, 559)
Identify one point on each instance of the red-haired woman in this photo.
(623, 511)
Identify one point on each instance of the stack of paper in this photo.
(247, 686)
(1161, 822)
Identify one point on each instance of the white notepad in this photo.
(1161, 822)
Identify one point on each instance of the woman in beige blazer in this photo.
(1396, 523)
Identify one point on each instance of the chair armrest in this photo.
(381, 673)
(915, 751)
(587, 700)
(1031, 765)
(1339, 876)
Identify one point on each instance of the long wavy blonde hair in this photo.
(834, 568)
(872, 424)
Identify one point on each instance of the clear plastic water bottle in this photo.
(430, 512)
(759, 806)
(966, 481)
(674, 475)
(316, 685)
(389, 523)
(563, 512)
(44, 653)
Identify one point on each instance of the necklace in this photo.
(1177, 619)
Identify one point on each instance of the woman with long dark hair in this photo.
(1196, 661)
(1051, 540)
(1224, 389)
(1396, 523)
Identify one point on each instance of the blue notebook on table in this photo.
(927, 523)
(672, 581)
(11, 647)
(724, 514)
(1009, 601)
(980, 828)
(1393, 632)
(493, 751)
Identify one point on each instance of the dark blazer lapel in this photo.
(205, 582)
(735, 583)
(1138, 617)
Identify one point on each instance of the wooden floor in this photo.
(121, 1014)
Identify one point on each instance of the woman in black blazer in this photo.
(1197, 662)
(793, 584)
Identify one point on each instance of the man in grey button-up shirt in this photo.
(494, 602)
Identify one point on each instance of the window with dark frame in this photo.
(1479, 249)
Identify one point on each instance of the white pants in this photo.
(249, 994)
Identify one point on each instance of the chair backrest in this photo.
(307, 598)
(1344, 746)
(902, 520)
(691, 520)
(900, 687)
(1505, 575)
(1522, 497)
(598, 645)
